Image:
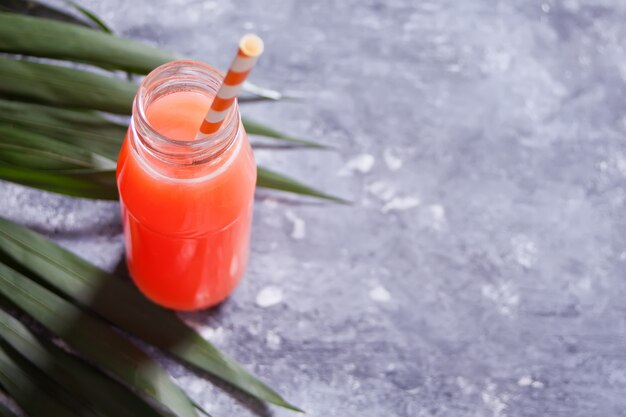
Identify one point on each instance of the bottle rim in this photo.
(181, 75)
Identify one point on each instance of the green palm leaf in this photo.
(75, 183)
(23, 148)
(46, 38)
(50, 39)
(29, 389)
(68, 371)
(90, 16)
(95, 340)
(270, 179)
(35, 8)
(85, 129)
(62, 86)
(255, 128)
(41, 162)
(120, 303)
(52, 137)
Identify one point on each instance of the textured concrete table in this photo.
(480, 271)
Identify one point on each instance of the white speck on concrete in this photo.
(210, 6)
(494, 403)
(622, 256)
(545, 7)
(503, 295)
(355, 384)
(349, 367)
(438, 216)
(603, 166)
(362, 163)
(270, 203)
(528, 381)
(401, 203)
(620, 163)
(196, 386)
(382, 190)
(392, 160)
(214, 335)
(617, 376)
(524, 251)
(380, 294)
(269, 296)
(272, 340)
(584, 285)
(454, 68)
(466, 387)
(298, 231)
(271, 216)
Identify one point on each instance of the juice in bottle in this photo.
(186, 203)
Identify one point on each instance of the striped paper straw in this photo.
(250, 47)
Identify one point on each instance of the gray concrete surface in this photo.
(480, 271)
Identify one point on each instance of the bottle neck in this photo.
(173, 156)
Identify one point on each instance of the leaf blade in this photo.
(35, 8)
(90, 16)
(45, 152)
(256, 128)
(271, 179)
(98, 183)
(110, 351)
(32, 36)
(65, 87)
(78, 183)
(23, 388)
(38, 161)
(67, 371)
(104, 293)
(86, 129)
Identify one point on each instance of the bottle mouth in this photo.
(177, 76)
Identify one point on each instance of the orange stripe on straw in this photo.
(235, 78)
(250, 47)
(221, 104)
(210, 127)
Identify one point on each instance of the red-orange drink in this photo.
(186, 203)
